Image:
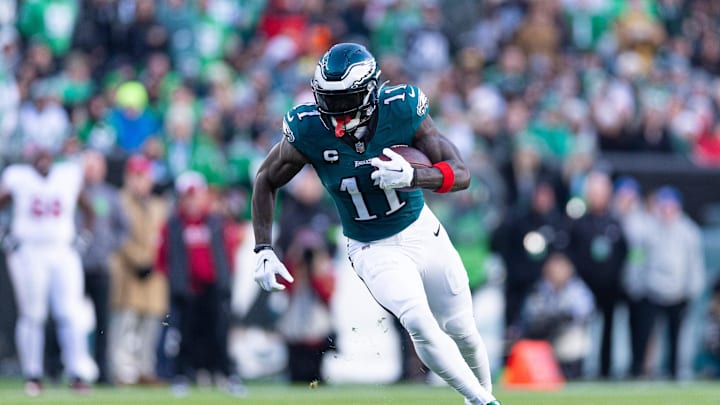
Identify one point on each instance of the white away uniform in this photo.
(45, 268)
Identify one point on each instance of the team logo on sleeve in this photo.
(422, 105)
(287, 132)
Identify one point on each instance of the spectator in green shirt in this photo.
(51, 21)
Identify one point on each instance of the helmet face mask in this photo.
(345, 86)
(342, 103)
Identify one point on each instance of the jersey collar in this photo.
(360, 145)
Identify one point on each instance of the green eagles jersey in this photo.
(367, 212)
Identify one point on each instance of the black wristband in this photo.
(262, 246)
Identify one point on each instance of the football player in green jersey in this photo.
(395, 243)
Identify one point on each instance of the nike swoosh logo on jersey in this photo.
(436, 233)
(290, 118)
(395, 170)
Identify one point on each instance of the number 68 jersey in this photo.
(43, 207)
(366, 211)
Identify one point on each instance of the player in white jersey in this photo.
(45, 267)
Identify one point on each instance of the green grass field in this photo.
(654, 393)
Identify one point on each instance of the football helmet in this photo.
(345, 86)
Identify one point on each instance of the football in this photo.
(414, 156)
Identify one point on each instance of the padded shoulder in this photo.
(406, 104)
(405, 99)
(299, 120)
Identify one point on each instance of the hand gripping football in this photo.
(414, 156)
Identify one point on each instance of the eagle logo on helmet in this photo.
(369, 67)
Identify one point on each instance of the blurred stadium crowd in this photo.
(532, 92)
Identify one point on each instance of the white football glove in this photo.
(394, 173)
(268, 265)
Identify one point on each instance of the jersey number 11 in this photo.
(349, 184)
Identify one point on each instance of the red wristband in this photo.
(448, 177)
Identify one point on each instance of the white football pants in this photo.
(49, 275)
(418, 276)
